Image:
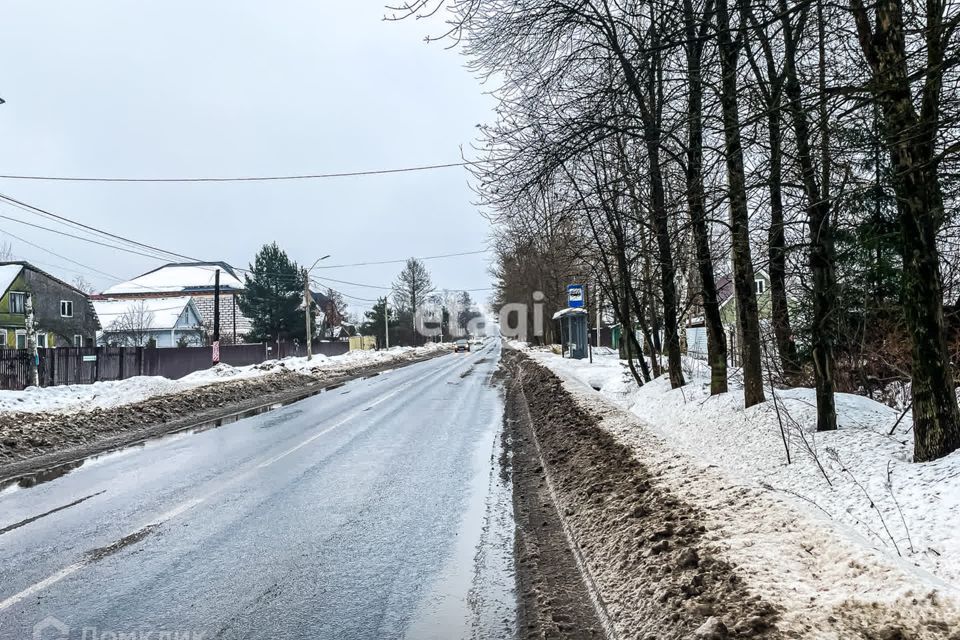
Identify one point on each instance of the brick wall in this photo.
(204, 304)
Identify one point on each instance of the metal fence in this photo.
(85, 365)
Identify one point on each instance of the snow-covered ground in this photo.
(104, 395)
(859, 477)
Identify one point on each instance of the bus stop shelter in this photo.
(574, 341)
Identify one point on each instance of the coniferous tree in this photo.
(273, 297)
(374, 325)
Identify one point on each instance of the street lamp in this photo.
(306, 303)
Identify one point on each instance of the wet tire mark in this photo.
(27, 521)
(98, 554)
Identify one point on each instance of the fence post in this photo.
(121, 367)
(96, 364)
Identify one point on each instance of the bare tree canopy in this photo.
(781, 176)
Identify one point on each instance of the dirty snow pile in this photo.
(859, 477)
(105, 395)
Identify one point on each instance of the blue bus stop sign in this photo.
(575, 296)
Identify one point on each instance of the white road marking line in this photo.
(176, 511)
(43, 584)
(73, 568)
(333, 426)
(186, 506)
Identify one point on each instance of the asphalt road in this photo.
(374, 510)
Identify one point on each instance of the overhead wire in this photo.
(400, 260)
(64, 219)
(307, 176)
(158, 253)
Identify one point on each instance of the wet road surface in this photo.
(374, 510)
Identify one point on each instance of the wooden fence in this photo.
(85, 365)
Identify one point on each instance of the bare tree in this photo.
(133, 327)
(81, 283)
(411, 289)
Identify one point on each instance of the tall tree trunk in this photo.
(648, 100)
(777, 251)
(770, 85)
(822, 253)
(912, 140)
(716, 338)
(628, 334)
(668, 285)
(748, 320)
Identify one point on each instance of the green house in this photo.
(63, 315)
(728, 301)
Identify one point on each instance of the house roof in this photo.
(23, 264)
(159, 313)
(8, 273)
(569, 311)
(724, 289)
(725, 286)
(180, 277)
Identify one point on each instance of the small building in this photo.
(573, 332)
(63, 315)
(159, 322)
(728, 301)
(696, 332)
(194, 279)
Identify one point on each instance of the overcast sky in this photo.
(229, 88)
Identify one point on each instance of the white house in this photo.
(194, 279)
(134, 322)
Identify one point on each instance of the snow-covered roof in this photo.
(159, 313)
(8, 273)
(569, 311)
(178, 278)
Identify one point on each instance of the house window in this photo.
(66, 308)
(18, 302)
(78, 340)
(760, 284)
(21, 340)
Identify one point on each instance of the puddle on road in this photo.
(475, 594)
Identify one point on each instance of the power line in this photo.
(37, 210)
(80, 264)
(355, 284)
(401, 260)
(345, 295)
(63, 219)
(70, 235)
(307, 176)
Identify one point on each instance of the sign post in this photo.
(575, 296)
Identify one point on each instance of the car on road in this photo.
(461, 345)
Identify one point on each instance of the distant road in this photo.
(374, 510)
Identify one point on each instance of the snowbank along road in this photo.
(373, 510)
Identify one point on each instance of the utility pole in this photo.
(216, 317)
(597, 296)
(32, 343)
(306, 307)
(587, 309)
(386, 324)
